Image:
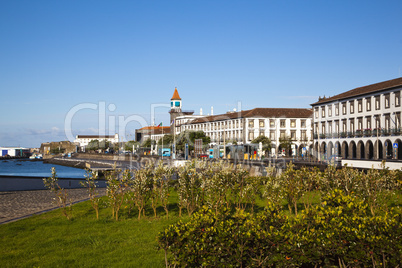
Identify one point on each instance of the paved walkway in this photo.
(21, 204)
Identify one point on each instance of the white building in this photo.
(363, 123)
(83, 140)
(14, 151)
(244, 126)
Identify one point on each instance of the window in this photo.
(323, 112)
(386, 100)
(283, 123)
(251, 135)
(337, 126)
(303, 123)
(337, 109)
(352, 125)
(304, 135)
(398, 119)
(344, 108)
(251, 123)
(377, 121)
(272, 123)
(323, 128)
(262, 123)
(292, 123)
(293, 135)
(262, 133)
(283, 134)
(352, 107)
(377, 103)
(387, 121)
(330, 110)
(344, 125)
(272, 135)
(360, 123)
(359, 106)
(316, 112)
(397, 99)
(368, 103)
(368, 122)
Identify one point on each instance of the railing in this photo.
(360, 133)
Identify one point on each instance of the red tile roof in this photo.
(176, 95)
(363, 90)
(155, 130)
(258, 112)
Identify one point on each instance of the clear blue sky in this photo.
(55, 55)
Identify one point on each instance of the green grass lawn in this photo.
(50, 240)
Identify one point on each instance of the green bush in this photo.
(341, 232)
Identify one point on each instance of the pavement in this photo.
(18, 205)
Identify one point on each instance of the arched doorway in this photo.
(387, 149)
(360, 150)
(330, 149)
(345, 150)
(378, 151)
(399, 149)
(352, 150)
(316, 150)
(369, 150)
(323, 151)
(337, 149)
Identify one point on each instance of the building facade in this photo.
(363, 123)
(244, 126)
(151, 132)
(83, 140)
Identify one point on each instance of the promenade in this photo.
(15, 205)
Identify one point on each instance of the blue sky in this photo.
(60, 55)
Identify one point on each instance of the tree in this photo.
(286, 144)
(167, 140)
(147, 143)
(189, 137)
(129, 145)
(266, 143)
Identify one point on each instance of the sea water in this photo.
(34, 168)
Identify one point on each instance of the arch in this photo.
(369, 150)
(352, 150)
(330, 149)
(399, 149)
(345, 150)
(378, 151)
(360, 150)
(316, 150)
(300, 150)
(337, 149)
(387, 149)
(323, 151)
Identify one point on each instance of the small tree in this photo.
(147, 143)
(61, 200)
(266, 143)
(91, 184)
(129, 145)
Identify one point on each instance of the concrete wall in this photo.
(371, 164)
(20, 183)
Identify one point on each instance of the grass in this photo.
(50, 240)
